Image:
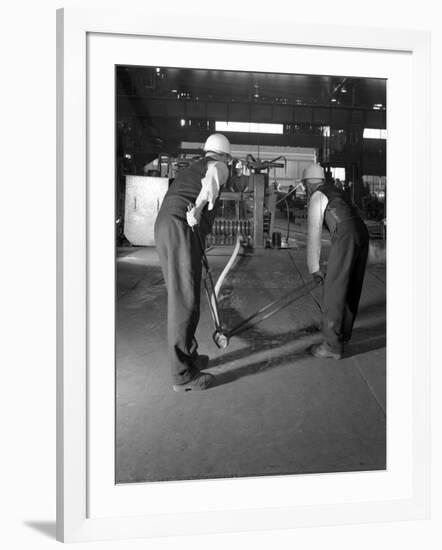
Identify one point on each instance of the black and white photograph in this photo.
(221, 300)
(250, 296)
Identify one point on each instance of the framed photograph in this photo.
(293, 428)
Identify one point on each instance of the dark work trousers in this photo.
(343, 283)
(180, 257)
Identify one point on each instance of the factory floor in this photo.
(274, 409)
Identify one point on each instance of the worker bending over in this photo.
(346, 261)
(180, 256)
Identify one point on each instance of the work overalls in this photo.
(346, 267)
(179, 251)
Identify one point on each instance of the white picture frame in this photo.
(86, 503)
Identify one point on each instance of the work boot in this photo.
(201, 381)
(323, 351)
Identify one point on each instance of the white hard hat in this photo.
(217, 143)
(313, 171)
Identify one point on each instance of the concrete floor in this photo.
(274, 409)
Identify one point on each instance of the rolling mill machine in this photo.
(247, 206)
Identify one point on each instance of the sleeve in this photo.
(315, 219)
(216, 176)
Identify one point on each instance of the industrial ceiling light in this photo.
(374, 133)
(249, 127)
(333, 100)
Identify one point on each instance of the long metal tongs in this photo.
(222, 334)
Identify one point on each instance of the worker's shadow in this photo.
(260, 340)
(265, 364)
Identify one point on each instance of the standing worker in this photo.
(180, 254)
(346, 261)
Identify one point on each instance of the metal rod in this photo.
(208, 280)
(208, 283)
(313, 297)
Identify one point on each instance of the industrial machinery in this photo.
(246, 205)
(249, 212)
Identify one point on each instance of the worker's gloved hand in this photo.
(318, 277)
(193, 216)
